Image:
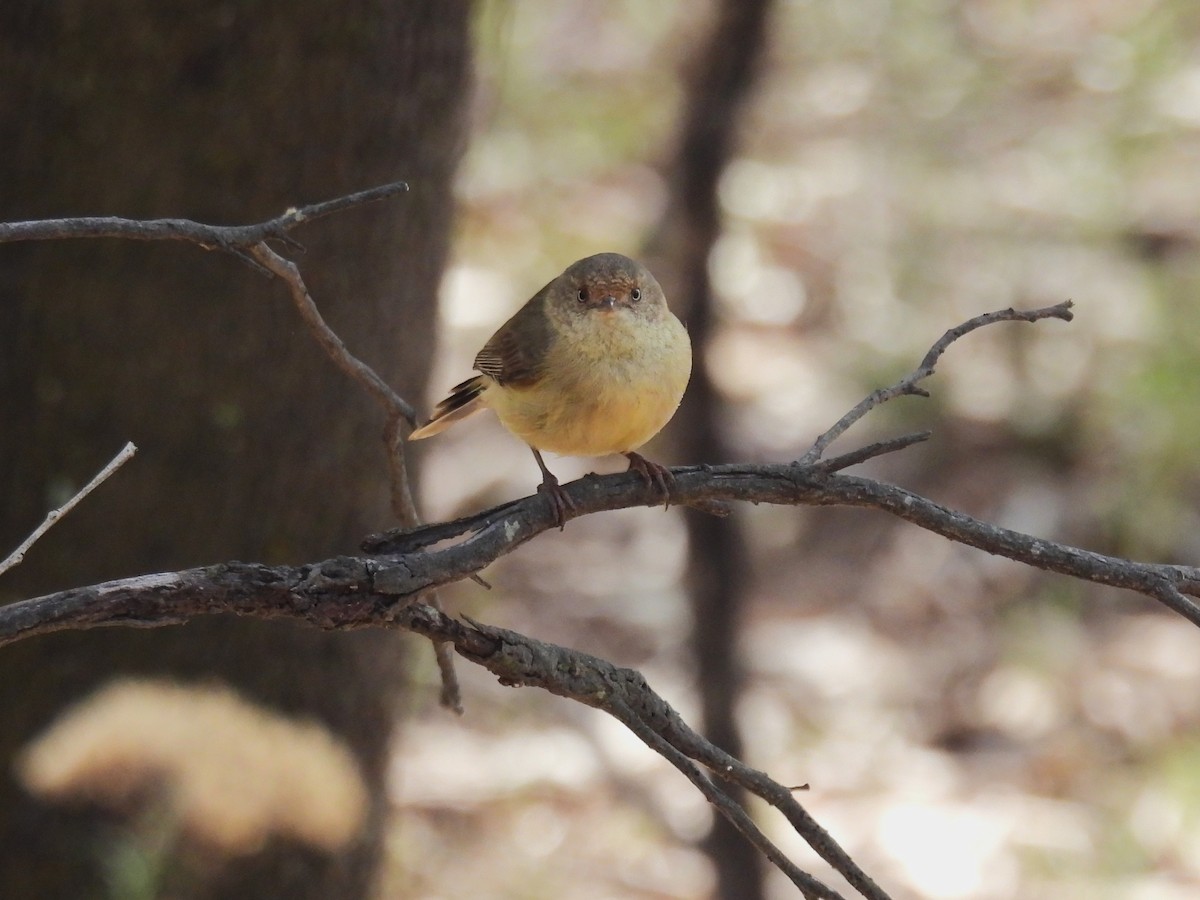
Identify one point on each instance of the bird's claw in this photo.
(654, 474)
(560, 502)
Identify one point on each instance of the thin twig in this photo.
(328, 207)
(355, 368)
(870, 451)
(520, 661)
(396, 409)
(404, 508)
(809, 886)
(248, 243)
(632, 696)
(729, 768)
(908, 384)
(229, 238)
(17, 556)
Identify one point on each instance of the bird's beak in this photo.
(608, 303)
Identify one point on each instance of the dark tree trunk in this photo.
(252, 445)
(719, 85)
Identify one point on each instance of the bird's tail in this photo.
(464, 399)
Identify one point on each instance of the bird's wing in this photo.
(515, 353)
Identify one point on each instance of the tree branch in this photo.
(519, 661)
(354, 592)
(249, 243)
(229, 238)
(17, 556)
(358, 371)
(908, 384)
(809, 886)
(246, 242)
(397, 410)
(870, 451)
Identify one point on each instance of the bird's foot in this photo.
(559, 500)
(561, 503)
(654, 474)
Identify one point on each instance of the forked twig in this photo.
(395, 408)
(249, 243)
(393, 405)
(908, 384)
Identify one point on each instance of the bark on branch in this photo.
(375, 591)
(357, 592)
(230, 238)
(250, 244)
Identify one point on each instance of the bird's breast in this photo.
(607, 394)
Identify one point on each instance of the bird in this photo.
(594, 364)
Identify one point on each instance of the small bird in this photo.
(595, 363)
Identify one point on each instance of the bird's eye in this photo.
(635, 295)
(582, 294)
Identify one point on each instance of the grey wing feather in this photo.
(515, 353)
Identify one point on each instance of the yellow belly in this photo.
(613, 419)
(611, 402)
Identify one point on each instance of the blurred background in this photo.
(823, 189)
(971, 728)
